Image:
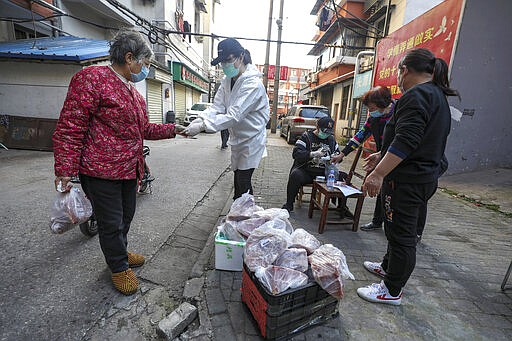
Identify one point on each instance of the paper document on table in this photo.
(347, 190)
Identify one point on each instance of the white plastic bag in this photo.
(243, 208)
(278, 279)
(264, 245)
(69, 209)
(329, 266)
(303, 239)
(279, 224)
(229, 231)
(292, 258)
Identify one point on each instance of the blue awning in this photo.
(71, 48)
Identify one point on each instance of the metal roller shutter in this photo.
(155, 101)
(180, 101)
(196, 96)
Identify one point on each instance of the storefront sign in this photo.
(436, 30)
(183, 74)
(362, 83)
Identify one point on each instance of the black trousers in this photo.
(113, 202)
(378, 212)
(303, 176)
(298, 178)
(405, 211)
(224, 137)
(243, 182)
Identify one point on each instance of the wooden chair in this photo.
(507, 275)
(320, 189)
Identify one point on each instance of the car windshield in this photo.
(314, 112)
(199, 107)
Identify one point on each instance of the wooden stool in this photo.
(320, 189)
(301, 193)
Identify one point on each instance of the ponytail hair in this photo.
(247, 57)
(440, 78)
(423, 60)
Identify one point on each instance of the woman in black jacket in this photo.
(408, 167)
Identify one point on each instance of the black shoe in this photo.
(345, 213)
(287, 207)
(418, 238)
(370, 227)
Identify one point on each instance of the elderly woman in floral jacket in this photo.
(99, 136)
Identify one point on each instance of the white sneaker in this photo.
(374, 268)
(378, 293)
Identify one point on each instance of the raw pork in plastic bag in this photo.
(229, 231)
(329, 266)
(243, 208)
(264, 245)
(279, 224)
(303, 239)
(278, 279)
(245, 227)
(69, 209)
(292, 258)
(272, 213)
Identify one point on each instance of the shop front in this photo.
(188, 88)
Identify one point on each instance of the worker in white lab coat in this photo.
(241, 106)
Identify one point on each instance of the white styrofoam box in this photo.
(228, 254)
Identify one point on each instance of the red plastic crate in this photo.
(294, 317)
(291, 298)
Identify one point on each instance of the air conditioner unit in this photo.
(313, 77)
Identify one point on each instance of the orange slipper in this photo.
(125, 281)
(135, 260)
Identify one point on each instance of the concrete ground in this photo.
(453, 294)
(57, 287)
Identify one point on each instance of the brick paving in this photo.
(453, 294)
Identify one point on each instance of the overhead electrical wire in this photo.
(155, 33)
(363, 21)
(374, 36)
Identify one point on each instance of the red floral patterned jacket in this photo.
(102, 126)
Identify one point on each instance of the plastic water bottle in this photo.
(331, 179)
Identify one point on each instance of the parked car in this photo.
(195, 110)
(301, 118)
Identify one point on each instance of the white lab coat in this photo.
(244, 110)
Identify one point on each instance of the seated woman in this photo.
(307, 154)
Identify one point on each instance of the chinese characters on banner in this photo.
(435, 30)
(283, 72)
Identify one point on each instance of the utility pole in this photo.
(269, 35)
(277, 73)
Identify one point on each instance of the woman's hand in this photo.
(65, 184)
(178, 129)
(372, 184)
(371, 162)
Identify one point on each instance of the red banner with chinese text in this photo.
(435, 30)
(283, 72)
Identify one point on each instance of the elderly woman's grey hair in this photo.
(125, 41)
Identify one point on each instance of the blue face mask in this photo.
(137, 77)
(376, 113)
(323, 135)
(230, 70)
